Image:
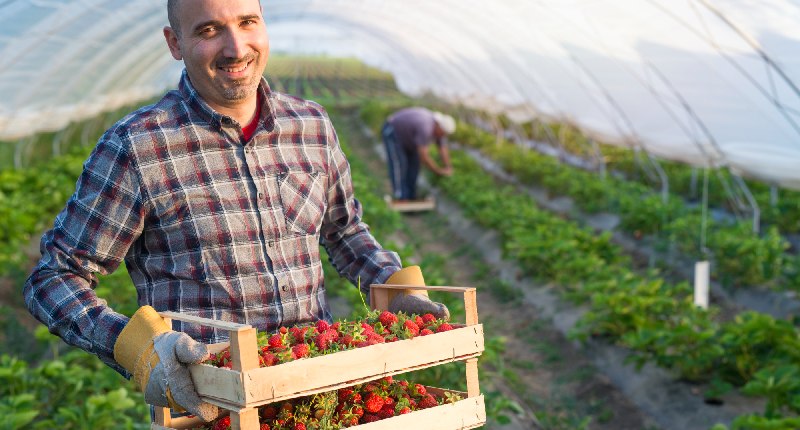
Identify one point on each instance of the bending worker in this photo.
(217, 198)
(406, 135)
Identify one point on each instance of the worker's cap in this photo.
(446, 122)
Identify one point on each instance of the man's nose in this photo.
(235, 44)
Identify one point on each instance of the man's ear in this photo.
(172, 42)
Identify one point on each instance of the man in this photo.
(406, 135)
(217, 198)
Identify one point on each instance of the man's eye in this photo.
(207, 31)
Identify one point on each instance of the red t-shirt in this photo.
(250, 128)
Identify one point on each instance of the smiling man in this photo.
(217, 198)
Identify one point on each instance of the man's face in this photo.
(225, 47)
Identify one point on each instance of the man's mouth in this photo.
(236, 68)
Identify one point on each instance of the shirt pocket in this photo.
(303, 200)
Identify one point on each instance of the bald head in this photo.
(173, 8)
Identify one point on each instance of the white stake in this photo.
(701, 277)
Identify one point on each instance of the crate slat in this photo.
(324, 373)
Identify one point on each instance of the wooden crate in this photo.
(426, 204)
(245, 387)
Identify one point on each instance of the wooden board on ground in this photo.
(426, 204)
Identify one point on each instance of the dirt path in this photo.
(555, 384)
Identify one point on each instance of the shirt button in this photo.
(271, 243)
(260, 196)
(284, 288)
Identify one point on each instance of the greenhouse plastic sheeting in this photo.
(707, 82)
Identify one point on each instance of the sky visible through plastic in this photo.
(707, 82)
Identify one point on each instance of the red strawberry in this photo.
(367, 328)
(269, 359)
(369, 418)
(412, 327)
(428, 318)
(223, 423)
(336, 325)
(425, 332)
(264, 426)
(404, 411)
(275, 341)
(269, 412)
(386, 412)
(300, 350)
(387, 319)
(344, 394)
(444, 327)
(419, 321)
(427, 402)
(357, 399)
(283, 330)
(373, 403)
(347, 340)
(419, 390)
(322, 326)
(299, 426)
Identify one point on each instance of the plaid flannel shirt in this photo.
(207, 224)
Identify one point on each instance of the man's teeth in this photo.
(235, 69)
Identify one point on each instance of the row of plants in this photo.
(656, 320)
(31, 196)
(684, 180)
(741, 258)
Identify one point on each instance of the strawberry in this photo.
(275, 341)
(387, 318)
(264, 426)
(412, 327)
(425, 332)
(269, 359)
(428, 318)
(386, 412)
(404, 411)
(299, 426)
(223, 423)
(269, 412)
(419, 390)
(300, 350)
(373, 403)
(322, 326)
(347, 340)
(427, 402)
(344, 394)
(419, 321)
(444, 327)
(369, 418)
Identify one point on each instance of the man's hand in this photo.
(157, 357)
(413, 301)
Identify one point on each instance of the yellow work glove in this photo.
(157, 356)
(413, 301)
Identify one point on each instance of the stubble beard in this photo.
(243, 88)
